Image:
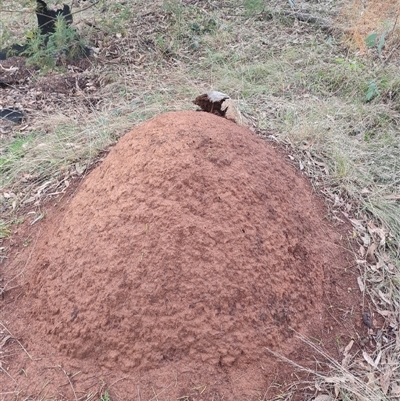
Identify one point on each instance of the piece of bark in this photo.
(212, 102)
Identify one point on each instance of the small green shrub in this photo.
(374, 40)
(372, 91)
(46, 52)
(105, 396)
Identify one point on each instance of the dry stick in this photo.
(2, 10)
(26, 264)
(100, 391)
(14, 338)
(156, 395)
(358, 383)
(304, 17)
(391, 53)
(76, 374)
(42, 389)
(72, 387)
(5, 339)
(323, 24)
(116, 381)
(266, 392)
(26, 12)
(395, 23)
(76, 12)
(89, 396)
(1, 367)
(86, 8)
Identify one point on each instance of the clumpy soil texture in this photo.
(185, 255)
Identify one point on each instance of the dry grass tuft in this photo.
(359, 376)
(362, 18)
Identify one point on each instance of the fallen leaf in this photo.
(324, 397)
(384, 313)
(395, 389)
(368, 359)
(337, 390)
(372, 229)
(391, 268)
(371, 253)
(367, 240)
(348, 347)
(345, 361)
(37, 218)
(360, 284)
(335, 379)
(5, 339)
(358, 224)
(380, 264)
(43, 187)
(377, 359)
(384, 298)
(385, 380)
(79, 168)
(392, 197)
(371, 380)
(347, 356)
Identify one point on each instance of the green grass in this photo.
(13, 152)
(105, 396)
(5, 229)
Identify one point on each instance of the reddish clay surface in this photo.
(187, 253)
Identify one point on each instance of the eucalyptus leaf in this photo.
(381, 44)
(372, 91)
(370, 40)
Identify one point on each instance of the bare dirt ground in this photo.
(25, 88)
(191, 250)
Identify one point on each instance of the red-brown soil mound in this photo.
(192, 246)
